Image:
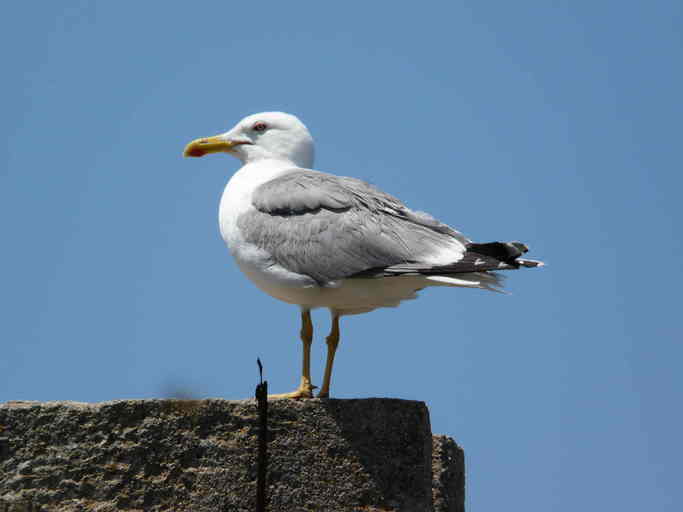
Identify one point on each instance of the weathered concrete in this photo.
(200, 455)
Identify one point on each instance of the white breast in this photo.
(236, 198)
(253, 261)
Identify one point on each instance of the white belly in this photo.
(349, 296)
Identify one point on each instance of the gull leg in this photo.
(307, 340)
(305, 389)
(332, 342)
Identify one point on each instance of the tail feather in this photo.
(492, 281)
(478, 260)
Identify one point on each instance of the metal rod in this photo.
(262, 457)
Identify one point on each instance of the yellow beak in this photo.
(217, 144)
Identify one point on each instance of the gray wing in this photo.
(330, 227)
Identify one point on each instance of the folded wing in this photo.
(331, 227)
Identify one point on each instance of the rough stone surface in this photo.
(448, 475)
(371, 455)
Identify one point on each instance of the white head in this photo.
(269, 135)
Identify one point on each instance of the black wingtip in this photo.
(505, 252)
(522, 248)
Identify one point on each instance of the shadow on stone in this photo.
(392, 441)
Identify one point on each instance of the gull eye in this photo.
(259, 127)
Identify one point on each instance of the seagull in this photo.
(318, 240)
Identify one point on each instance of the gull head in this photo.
(268, 135)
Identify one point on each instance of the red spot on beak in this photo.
(196, 151)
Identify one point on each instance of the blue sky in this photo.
(558, 125)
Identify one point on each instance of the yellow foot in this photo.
(301, 392)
